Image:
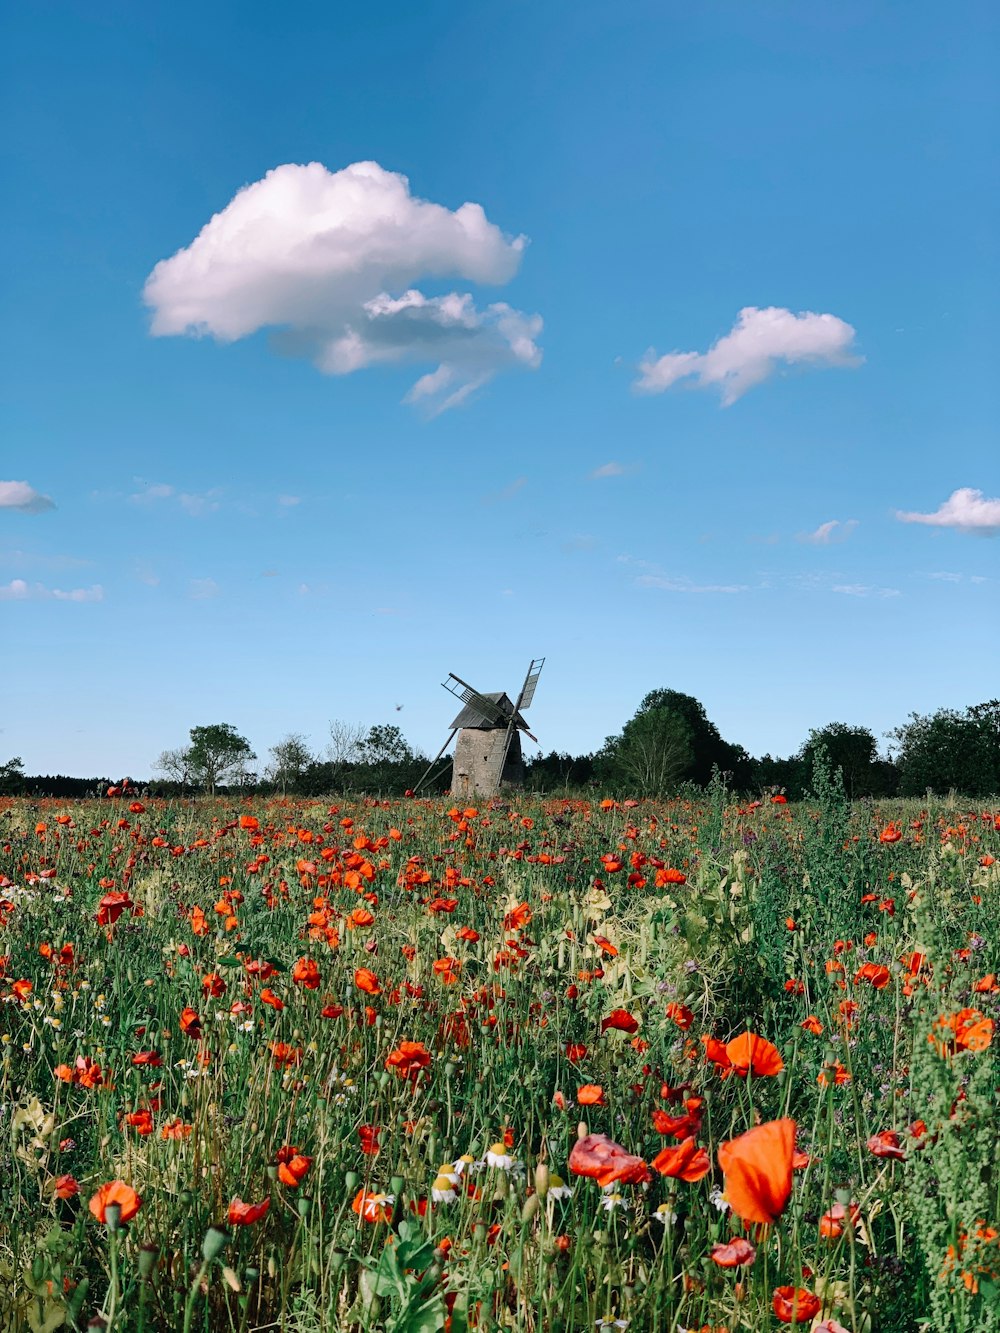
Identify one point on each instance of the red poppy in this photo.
(140, 1121)
(733, 1253)
(684, 1162)
(621, 1020)
(877, 974)
(758, 1170)
(65, 1187)
(750, 1054)
(681, 1015)
(834, 1222)
(293, 1166)
(245, 1214)
(408, 1059)
(886, 1144)
(367, 981)
(891, 833)
(795, 1305)
(115, 1192)
(605, 1161)
(306, 973)
(368, 1134)
(590, 1094)
(576, 1051)
(372, 1207)
(111, 906)
(191, 1023)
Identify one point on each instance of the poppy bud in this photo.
(351, 1181)
(303, 1205)
(581, 1130)
(251, 1274)
(396, 1186)
(542, 1180)
(272, 1172)
(112, 1216)
(531, 1206)
(216, 1240)
(148, 1256)
(37, 1269)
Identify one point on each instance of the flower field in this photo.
(539, 1066)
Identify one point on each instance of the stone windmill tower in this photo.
(488, 752)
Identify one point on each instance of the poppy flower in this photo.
(834, 1222)
(367, 981)
(891, 833)
(590, 1094)
(293, 1167)
(779, 800)
(65, 1187)
(733, 1253)
(758, 1170)
(190, 1023)
(140, 1121)
(972, 1030)
(795, 1305)
(306, 973)
(876, 974)
(684, 1162)
(576, 1051)
(408, 1059)
(245, 1214)
(152, 1058)
(111, 906)
(750, 1054)
(368, 1134)
(621, 1020)
(605, 1161)
(115, 1192)
(813, 1025)
(681, 1015)
(886, 1144)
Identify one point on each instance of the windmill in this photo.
(488, 752)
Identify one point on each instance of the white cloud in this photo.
(966, 509)
(20, 591)
(328, 260)
(833, 531)
(751, 352)
(287, 501)
(611, 469)
(24, 498)
(686, 585)
(194, 503)
(202, 589)
(864, 590)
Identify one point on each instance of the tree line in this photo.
(669, 744)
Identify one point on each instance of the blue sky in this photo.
(267, 524)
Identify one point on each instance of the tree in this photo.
(854, 750)
(951, 750)
(217, 754)
(12, 776)
(290, 758)
(344, 747)
(650, 756)
(385, 744)
(708, 749)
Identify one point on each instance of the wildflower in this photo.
(621, 1020)
(874, 973)
(575, 1052)
(306, 973)
(684, 1162)
(140, 1121)
(367, 981)
(833, 1073)
(885, 1144)
(245, 1214)
(176, 1129)
(111, 906)
(497, 1156)
(190, 1023)
(891, 833)
(408, 1059)
(373, 1207)
(605, 1161)
(293, 1166)
(733, 1253)
(757, 1167)
(681, 1015)
(612, 1199)
(558, 1189)
(665, 1215)
(972, 1031)
(813, 1025)
(65, 1187)
(832, 1223)
(750, 1054)
(443, 1190)
(590, 1094)
(368, 1134)
(795, 1305)
(118, 1193)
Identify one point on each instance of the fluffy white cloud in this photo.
(828, 533)
(328, 260)
(24, 498)
(966, 509)
(751, 351)
(17, 590)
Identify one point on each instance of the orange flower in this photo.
(605, 1161)
(891, 833)
(749, 1053)
(734, 1253)
(245, 1214)
(681, 1015)
(372, 1207)
(115, 1192)
(141, 1121)
(367, 981)
(408, 1059)
(191, 1023)
(684, 1162)
(111, 906)
(758, 1170)
(293, 1167)
(306, 973)
(368, 1134)
(590, 1094)
(972, 1031)
(813, 1025)
(875, 973)
(176, 1129)
(65, 1187)
(885, 1144)
(833, 1223)
(835, 1074)
(795, 1305)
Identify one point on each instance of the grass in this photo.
(271, 962)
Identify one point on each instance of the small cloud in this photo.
(864, 590)
(287, 501)
(20, 591)
(828, 533)
(145, 575)
(202, 589)
(22, 498)
(193, 503)
(507, 493)
(611, 469)
(965, 510)
(685, 584)
(583, 542)
(945, 577)
(198, 505)
(150, 493)
(752, 351)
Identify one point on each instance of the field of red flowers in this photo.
(562, 1066)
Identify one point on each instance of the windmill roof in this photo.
(469, 717)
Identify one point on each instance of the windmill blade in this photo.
(486, 708)
(530, 685)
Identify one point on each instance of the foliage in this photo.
(217, 754)
(951, 750)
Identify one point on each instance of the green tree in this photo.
(951, 750)
(650, 756)
(12, 776)
(290, 758)
(385, 744)
(708, 750)
(854, 750)
(217, 754)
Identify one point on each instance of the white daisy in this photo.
(443, 1190)
(558, 1189)
(497, 1156)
